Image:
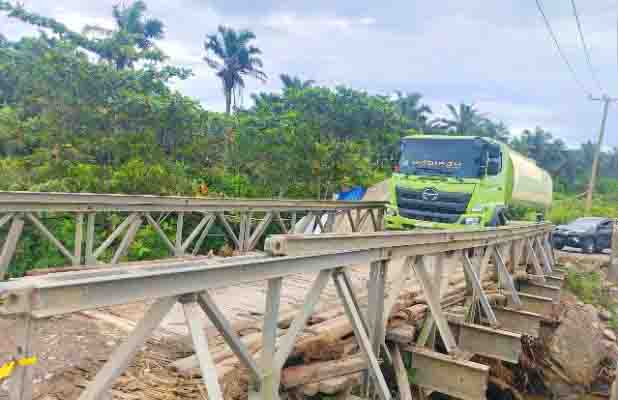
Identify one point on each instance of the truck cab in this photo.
(446, 181)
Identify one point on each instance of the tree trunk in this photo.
(228, 101)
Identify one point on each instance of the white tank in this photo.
(532, 185)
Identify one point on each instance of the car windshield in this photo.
(459, 158)
(584, 223)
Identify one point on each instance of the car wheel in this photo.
(588, 246)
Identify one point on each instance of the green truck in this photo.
(446, 181)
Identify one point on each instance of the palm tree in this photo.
(133, 30)
(465, 119)
(294, 82)
(498, 131)
(230, 54)
(410, 107)
(131, 41)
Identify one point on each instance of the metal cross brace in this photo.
(535, 261)
(505, 277)
(478, 288)
(547, 266)
(433, 301)
(360, 332)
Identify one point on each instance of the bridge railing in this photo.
(244, 222)
(329, 256)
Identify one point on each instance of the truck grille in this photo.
(446, 208)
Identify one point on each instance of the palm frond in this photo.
(88, 29)
(154, 28)
(213, 43)
(244, 37)
(453, 111)
(212, 63)
(259, 75)
(253, 50)
(256, 62)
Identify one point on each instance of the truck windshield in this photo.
(460, 158)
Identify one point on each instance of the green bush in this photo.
(567, 208)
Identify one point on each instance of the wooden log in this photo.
(316, 372)
(340, 384)
(403, 334)
(311, 389)
(322, 340)
(325, 335)
(189, 366)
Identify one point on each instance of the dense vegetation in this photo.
(94, 111)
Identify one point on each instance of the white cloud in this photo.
(497, 55)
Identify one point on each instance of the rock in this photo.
(576, 345)
(605, 315)
(609, 334)
(611, 349)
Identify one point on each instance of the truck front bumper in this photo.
(396, 222)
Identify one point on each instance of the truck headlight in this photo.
(391, 212)
(472, 220)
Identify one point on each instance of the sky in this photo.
(497, 55)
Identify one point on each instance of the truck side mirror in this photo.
(494, 160)
(493, 166)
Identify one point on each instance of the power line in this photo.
(562, 55)
(585, 47)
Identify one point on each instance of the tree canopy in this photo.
(112, 123)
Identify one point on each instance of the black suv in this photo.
(591, 234)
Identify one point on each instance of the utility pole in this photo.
(612, 273)
(595, 163)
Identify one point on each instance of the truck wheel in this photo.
(588, 246)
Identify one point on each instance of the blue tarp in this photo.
(355, 193)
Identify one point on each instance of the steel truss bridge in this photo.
(518, 257)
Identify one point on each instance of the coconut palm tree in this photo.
(411, 108)
(133, 30)
(230, 54)
(498, 131)
(465, 119)
(294, 82)
(132, 40)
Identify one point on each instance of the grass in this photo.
(588, 287)
(566, 208)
